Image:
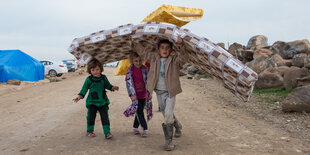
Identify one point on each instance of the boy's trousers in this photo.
(91, 117)
(166, 105)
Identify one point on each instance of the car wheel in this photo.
(59, 75)
(73, 70)
(52, 73)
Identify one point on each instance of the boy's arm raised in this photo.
(182, 53)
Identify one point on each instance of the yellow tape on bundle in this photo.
(169, 14)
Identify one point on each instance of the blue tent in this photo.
(15, 64)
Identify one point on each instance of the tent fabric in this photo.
(15, 64)
(114, 44)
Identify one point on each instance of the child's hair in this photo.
(132, 56)
(93, 64)
(165, 41)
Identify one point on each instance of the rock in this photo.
(288, 50)
(14, 82)
(282, 69)
(221, 45)
(247, 55)
(257, 42)
(299, 60)
(277, 60)
(291, 75)
(269, 80)
(298, 100)
(260, 52)
(183, 72)
(235, 49)
(192, 70)
(307, 62)
(54, 79)
(189, 76)
(197, 77)
(288, 62)
(303, 81)
(281, 48)
(261, 63)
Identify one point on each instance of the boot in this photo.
(178, 128)
(168, 131)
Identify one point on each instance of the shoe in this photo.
(90, 134)
(135, 131)
(144, 133)
(178, 128)
(109, 136)
(168, 132)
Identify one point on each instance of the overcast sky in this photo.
(44, 29)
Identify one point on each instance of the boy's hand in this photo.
(114, 88)
(132, 98)
(131, 40)
(180, 40)
(77, 98)
(150, 97)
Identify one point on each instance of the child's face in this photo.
(137, 62)
(164, 50)
(96, 72)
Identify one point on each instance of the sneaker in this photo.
(144, 133)
(90, 134)
(135, 131)
(109, 136)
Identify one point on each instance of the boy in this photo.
(163, 78)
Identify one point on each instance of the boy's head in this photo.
(165, 48)
(135, 59)
(94, 67)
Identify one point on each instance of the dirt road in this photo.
(44, 120)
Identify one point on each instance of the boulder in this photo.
(221, 45)
(269, 80)
(281, 70)
(192, 70)
(301, 46)
(247, 55)
(298, 100)
(287, 62)
(277, 60)
(183, 72)
(281, 48)
(257, 42)
(303, 81)
(261, 63)
(299, 60)
(291, 75)
(288, 50)
(14, 82)
(307, 62)
(235, 49)
(259, 52)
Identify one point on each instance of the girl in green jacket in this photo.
(97, 100)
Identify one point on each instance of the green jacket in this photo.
(97, 90)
